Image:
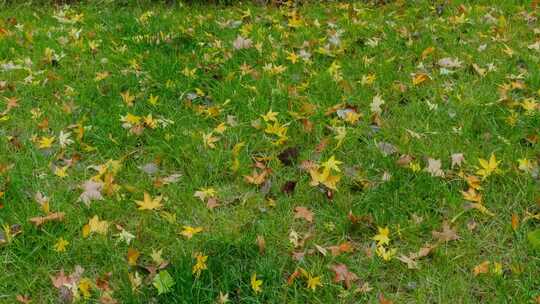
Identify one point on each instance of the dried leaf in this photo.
(52, 217)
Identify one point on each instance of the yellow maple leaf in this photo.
(382, 237)
(61, 245)
(85, 284)
(488, 167)
(385, 254)
(189, 231)
(132, 256)
(419, 78)
(95, 226)
(481, 268)
(220, 128)
(313, 282)
(200, 265)
(149, 203)
(292, 57)
(332, 164)
(256, 283)
(127, 98)
(153, 100)
(61, 171)
(46, 142)
(209, 139)
(472, 195)
(205, 193)
(270, 116)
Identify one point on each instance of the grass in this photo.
(76, 61)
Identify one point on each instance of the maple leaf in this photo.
(472, 195)
(434, 167)
(124, 235)
(411, 263)
(419, 78)
(386, 148)
(189, 231)
(163, 282)
(449, 63)
(84, 286)
(222, 298)
(209, 139)
(149, 203)
(242, 43)
(42, 200)
(205, 193)
(95, 226)
(40, 220)
(342, 274)
(256, 283)
(488, 167)
(127, 98)
(303, 212)
(23, 299)
(91, 191)
(61, 245)
(481, 268)
(270, 116)
(132, 256)
(382, 237)
(457, 159)
(46, 142)
(480, 207)
(257, 178)
(446, 235)
(60, 279)
(200, 265)
(341, 248)
(313, 282)
(332, 164)
(385, 254)
(376, 104)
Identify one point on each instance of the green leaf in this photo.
(163, 282)
(534, 239)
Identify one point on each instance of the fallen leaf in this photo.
(288, 187)
(515, 221)
(446, 235)
(303, 212)
(457, 159)
(288, 156)
(52, 217)
(345, 247)
(261, 243)
(91, 192)
(481, 268)
(132, 256)
(342, 274)
(189, 231)
(434, 167)
(149, 203)
(23, 299)
(242, 43)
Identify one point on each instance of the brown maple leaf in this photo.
(345, 247)
(303, 212)
(446, 235)
(343, 275)
(40, 220)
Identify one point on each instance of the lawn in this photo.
(340, 152)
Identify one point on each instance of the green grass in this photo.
(462, 112)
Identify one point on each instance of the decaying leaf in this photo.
(52, 217)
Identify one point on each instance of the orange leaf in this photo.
(132, 256)
(515, 221)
